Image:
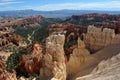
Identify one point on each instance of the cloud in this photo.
(8, 2)
(2, 1)
(95, 5)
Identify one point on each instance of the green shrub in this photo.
(13, 59)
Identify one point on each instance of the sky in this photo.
(49, 5)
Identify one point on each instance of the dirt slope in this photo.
(103, 54)
(106, 70)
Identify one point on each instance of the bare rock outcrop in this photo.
(4, 75)
(96, 38)
(4, 55)
(71, 31)
(8, 76)
(106, 70)
(32, 63)
(102, 55)
(54, 59)
(27, 21)
(8, 37)
(79, 56)
(99, 20)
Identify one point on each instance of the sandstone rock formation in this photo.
(106, 70)
(32, 63)
(2, 65)
(28, 21)
(96, 38)
(4, 75)
(8, 76)
(4, 55)
(71, 31)
(93, 62)
(8, 37)
(54, 59)
(79, 56)
(99, 20)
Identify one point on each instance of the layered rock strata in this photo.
(97, 38)
(4, 75)
(78, 57)
(106, 70)
(54, 59)
(27, 21)
(95, 65)
(32, 63)
(8, 37)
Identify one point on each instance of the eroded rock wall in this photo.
(106, 70)
(79, 56)
(97, 38)
(8, 37)
(54, 59)
(4, 75)
(32, 63)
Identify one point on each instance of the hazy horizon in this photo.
(48, 5)
(59, 10)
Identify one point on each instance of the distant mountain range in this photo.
(51, 14)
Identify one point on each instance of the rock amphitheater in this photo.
(51, 63)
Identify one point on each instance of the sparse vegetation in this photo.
(13, 61)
